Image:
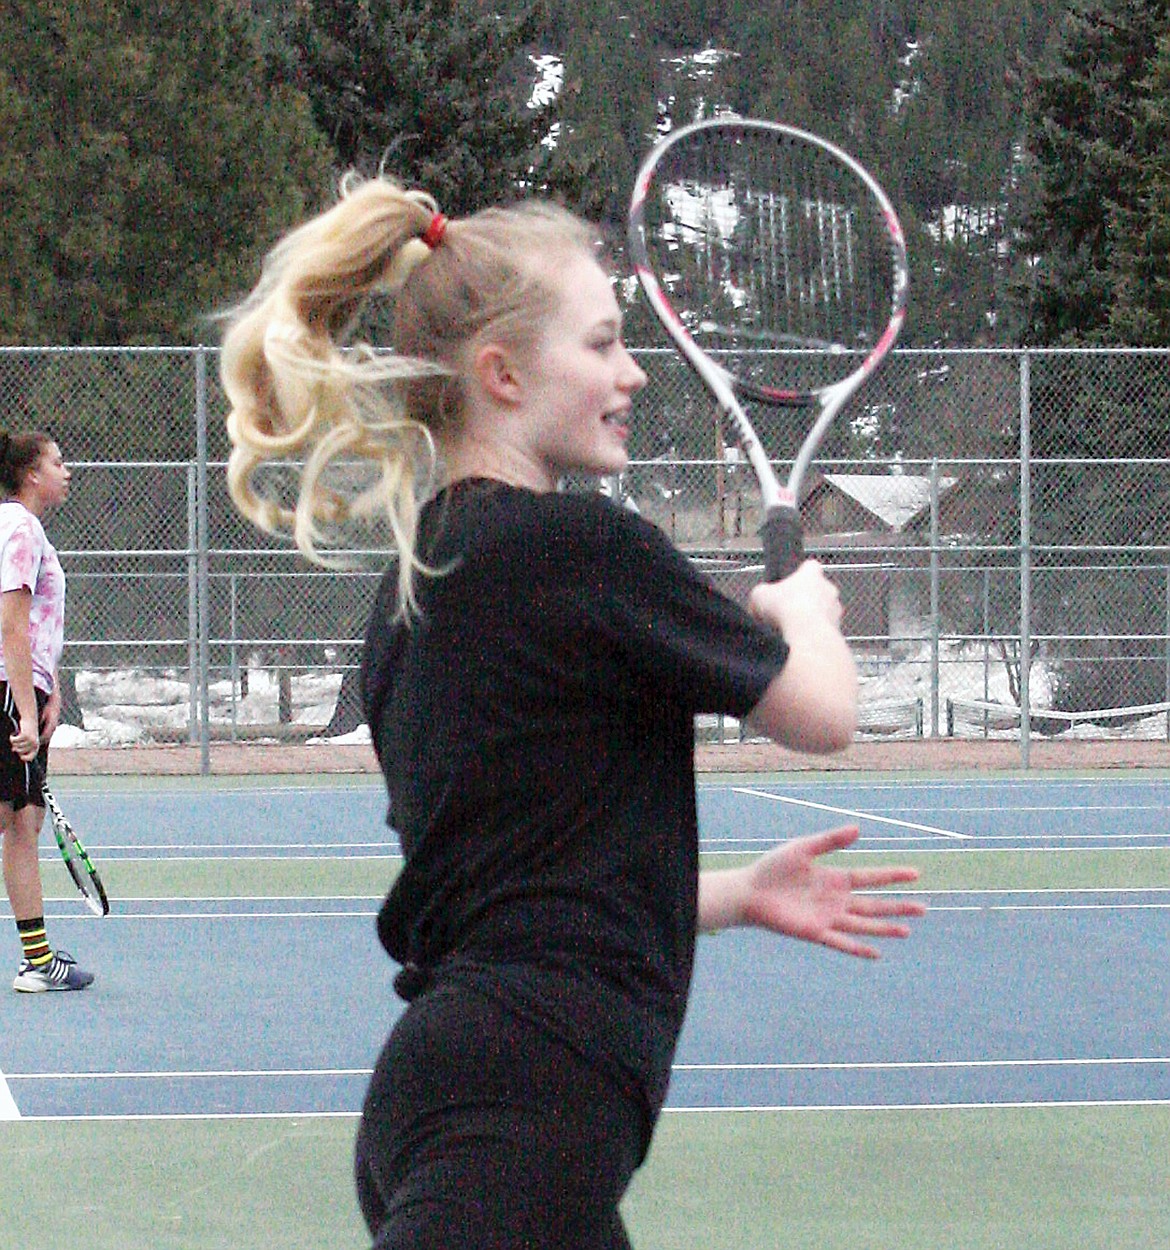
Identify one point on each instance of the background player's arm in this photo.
(15, 608)
(51, 712)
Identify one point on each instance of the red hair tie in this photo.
(433, 235)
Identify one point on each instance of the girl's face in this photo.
(50, 476)
(579, 380)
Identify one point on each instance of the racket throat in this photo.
(772, 494)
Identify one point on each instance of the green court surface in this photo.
(1059, 1178)
(984, 870)
(1056, 1178)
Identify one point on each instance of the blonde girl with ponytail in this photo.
(532, 669)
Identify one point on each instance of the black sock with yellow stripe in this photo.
(36, 946)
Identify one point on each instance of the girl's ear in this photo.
(495, 372)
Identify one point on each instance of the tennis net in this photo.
(974, 718)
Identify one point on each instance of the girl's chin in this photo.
(603, 463)
(614, 460)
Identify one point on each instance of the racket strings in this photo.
(773, 252)
(81, 869)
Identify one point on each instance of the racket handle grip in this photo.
(36, 774)
(783, 539)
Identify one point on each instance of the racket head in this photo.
(777, 264)
(85, 876)
(89, 884)
(772, 252)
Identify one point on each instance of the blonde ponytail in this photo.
(299, 390)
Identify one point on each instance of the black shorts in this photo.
(482, 1132)
(16, 785)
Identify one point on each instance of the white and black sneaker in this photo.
(60, 973)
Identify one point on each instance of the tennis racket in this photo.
(777, 265)
(85, 875)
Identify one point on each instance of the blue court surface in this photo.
(1045, 982)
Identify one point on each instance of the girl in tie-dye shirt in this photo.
(28, 561)
(33, 479)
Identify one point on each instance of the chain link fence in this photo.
(998, 521)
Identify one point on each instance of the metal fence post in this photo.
(235, 650)
(986, 643)
(1166, 649)
(935, 625)
(192, 610)
(201, 536)
(1025, 558)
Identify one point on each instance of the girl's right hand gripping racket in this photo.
(777, 265)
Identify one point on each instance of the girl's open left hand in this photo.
(787, 890)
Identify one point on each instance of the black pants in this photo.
(480, 1132)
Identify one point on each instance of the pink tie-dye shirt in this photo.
(28, 561)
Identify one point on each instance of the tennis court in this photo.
(1001, 1079)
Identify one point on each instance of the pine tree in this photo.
(435, 92)
(147, 164)
(1083, 151)
(1094, 130)
(615, 76)
(1139, 314)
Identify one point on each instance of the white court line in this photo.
(1000, 850)
(670, 1110)
(1056, 809)
(1079, 907)
(781, 1109)
(8, 1107)
(1043, 786)
(123, 1117)
(1054, 837)
(310, 913)
(226, 913)
(923, 1106)
(925, 1064)
(725, 844)
(306, 914)
(851, 1066)
(195, 855)
(267, 898)
(382, 846)
(845, 811)
(915, 1064)
(216, 792)
(1054, 889)
(193, 1074)
(936, 908)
